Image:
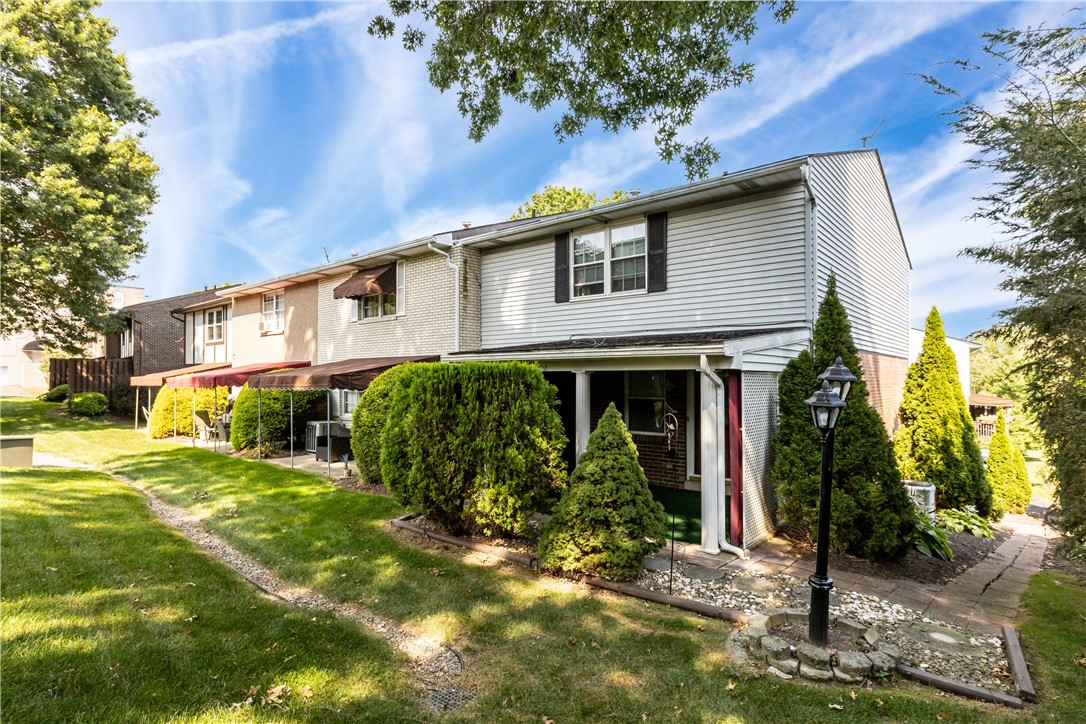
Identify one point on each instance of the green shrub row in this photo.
(274, 415)
(368, 421)
(162, 413)
(473, 446)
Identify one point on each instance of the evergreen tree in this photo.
(606, 521)
(797, 445)
(872, 514)
(937, 441)
(1007, 474)
(163, 414)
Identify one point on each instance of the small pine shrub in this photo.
(797, 446)
(274, 415)
(606, 521)
(475, 446)
(57, 394)
(162, 413)
(91, 404)
(368, 421)
(1007, 474)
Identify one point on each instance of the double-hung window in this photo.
(373, 306)
(271, 313)
(213, 326)
(610, 261)
(645, 401)
(348, 400)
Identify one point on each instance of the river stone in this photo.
(881, 663)
(809, 672)
(813, 656)
(775, 648)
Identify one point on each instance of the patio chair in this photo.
(222, 430)
(204, 427)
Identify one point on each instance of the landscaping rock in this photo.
(756, 629)
(813, 656)
(702, 573)
(881, 663)
(657, 564)
(815, 674)
(778, 673)
(852, 627)
(871, 636)
(754, 584)
(853, 663)
(890, 650)
(776, 648)
(789, 666)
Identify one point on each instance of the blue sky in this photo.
(285, 130)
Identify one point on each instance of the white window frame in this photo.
(219, 325)
(272, 321)
(662, 398)
(608, 259)
(126, 342)
(348, 398)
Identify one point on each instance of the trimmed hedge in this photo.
(606, 522)
(475, 446)
(91, 404)
(57, 394)
(368, 421)
(162, 413)
(274, 415)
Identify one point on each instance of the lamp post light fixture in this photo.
(826, 406)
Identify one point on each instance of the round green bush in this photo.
(91, 404)
(475, 446)
(274, 415)
(57, 394)
(368, 421)
(606, 521)
(162, 412)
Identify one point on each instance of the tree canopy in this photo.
(1033, 136)
(617, 63)
(559, 199)
(76, 183)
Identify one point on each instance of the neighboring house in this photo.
(20, 366)
(119, 297)
(689, 302)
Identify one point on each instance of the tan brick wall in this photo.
(297, 341)
(885, 377)
(425, 327)
(471, 323)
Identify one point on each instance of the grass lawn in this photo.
(1054, 635)
(534, 646)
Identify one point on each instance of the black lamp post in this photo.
(826, 406)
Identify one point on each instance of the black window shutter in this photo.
(657, 240)
(561, 268)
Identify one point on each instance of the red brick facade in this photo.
(885, 377)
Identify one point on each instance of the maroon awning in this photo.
(368, 281)
(231, 377)
(348, 374)
(156, 379)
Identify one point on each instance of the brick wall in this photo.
(660, 467)
(158, 336)
(471, 323)
(885, 377)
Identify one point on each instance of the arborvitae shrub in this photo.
(123, 399)
(1007, 474)
(57, 394)
(606, 521)
(872, 513)
(274, 414)
(937, 441)
(475, 446)
(368, 421)
(162, 413)
(90, 404)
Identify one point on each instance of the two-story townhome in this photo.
(271, 321)
(208, 330)
(683, 306)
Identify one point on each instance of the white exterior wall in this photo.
(738, 264)
(759, 408)
(857, 238)
(425, 327)
(197, 350)
(959, 347)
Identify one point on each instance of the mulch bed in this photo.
(357, 485)
(915, 566)
(1056, 560)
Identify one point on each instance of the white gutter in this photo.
(456, 301)
(710, 485)
(812, 248)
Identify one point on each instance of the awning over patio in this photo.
(368, 281)
(350, 374)
(231, 377)
(157, 379)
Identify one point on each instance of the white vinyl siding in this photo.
(858, 239)
(198, 350)
(738, 264)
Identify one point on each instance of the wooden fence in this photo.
(90, 375)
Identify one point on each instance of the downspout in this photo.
(456, 303)
(718, 385)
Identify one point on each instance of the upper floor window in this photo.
(611, 260)
(271, 313)
(213, 325)
(381, 304)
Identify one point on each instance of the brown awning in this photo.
(157, 379)
(368, 281)
(348, 374)
(981, 400)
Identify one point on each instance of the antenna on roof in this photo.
(326, 259)
(865, 139)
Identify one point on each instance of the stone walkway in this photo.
(981, 599)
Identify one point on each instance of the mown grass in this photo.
(534, 646)
(1054, 636)
(109, 616)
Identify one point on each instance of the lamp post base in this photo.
(819, 622)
